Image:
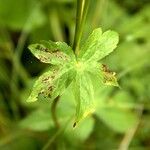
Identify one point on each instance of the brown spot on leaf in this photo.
(50, 88)
(37, 46)
(74, 125)
(60, 55)
(45, 80)
(106, 70)
(52, 76)
(42, 58)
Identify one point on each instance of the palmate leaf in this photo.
(98, 45)
(52, 83)
(80, 71)
(56, 53)
(116, 111)
(84, 96)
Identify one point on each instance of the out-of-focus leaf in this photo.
(20, 14)
(117, 113)
(4, 75)
(39, 120)
(19, 141)
(66, 106)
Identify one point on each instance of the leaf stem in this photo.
(129, 135)
(82, 8)
(53, 111)
(56, 135)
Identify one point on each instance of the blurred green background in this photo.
(122, 118)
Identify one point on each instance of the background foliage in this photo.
(122, 115)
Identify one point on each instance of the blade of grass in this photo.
(82, 9)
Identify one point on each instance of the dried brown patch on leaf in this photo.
(109, 77)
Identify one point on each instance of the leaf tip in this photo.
(31, 99)
(30, 47)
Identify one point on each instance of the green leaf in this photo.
(98, 45)
(102, 73)
(84, 96)
(117, 119)
(59, 46)
(66, 49)
(39, 120)
(52, 83)
(56, 53)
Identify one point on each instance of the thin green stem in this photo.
(129, 135)
(82, 8)
(56, 135)
(51, 140)
(101, 7)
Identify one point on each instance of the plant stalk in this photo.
(82, 9)
(56, 135)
